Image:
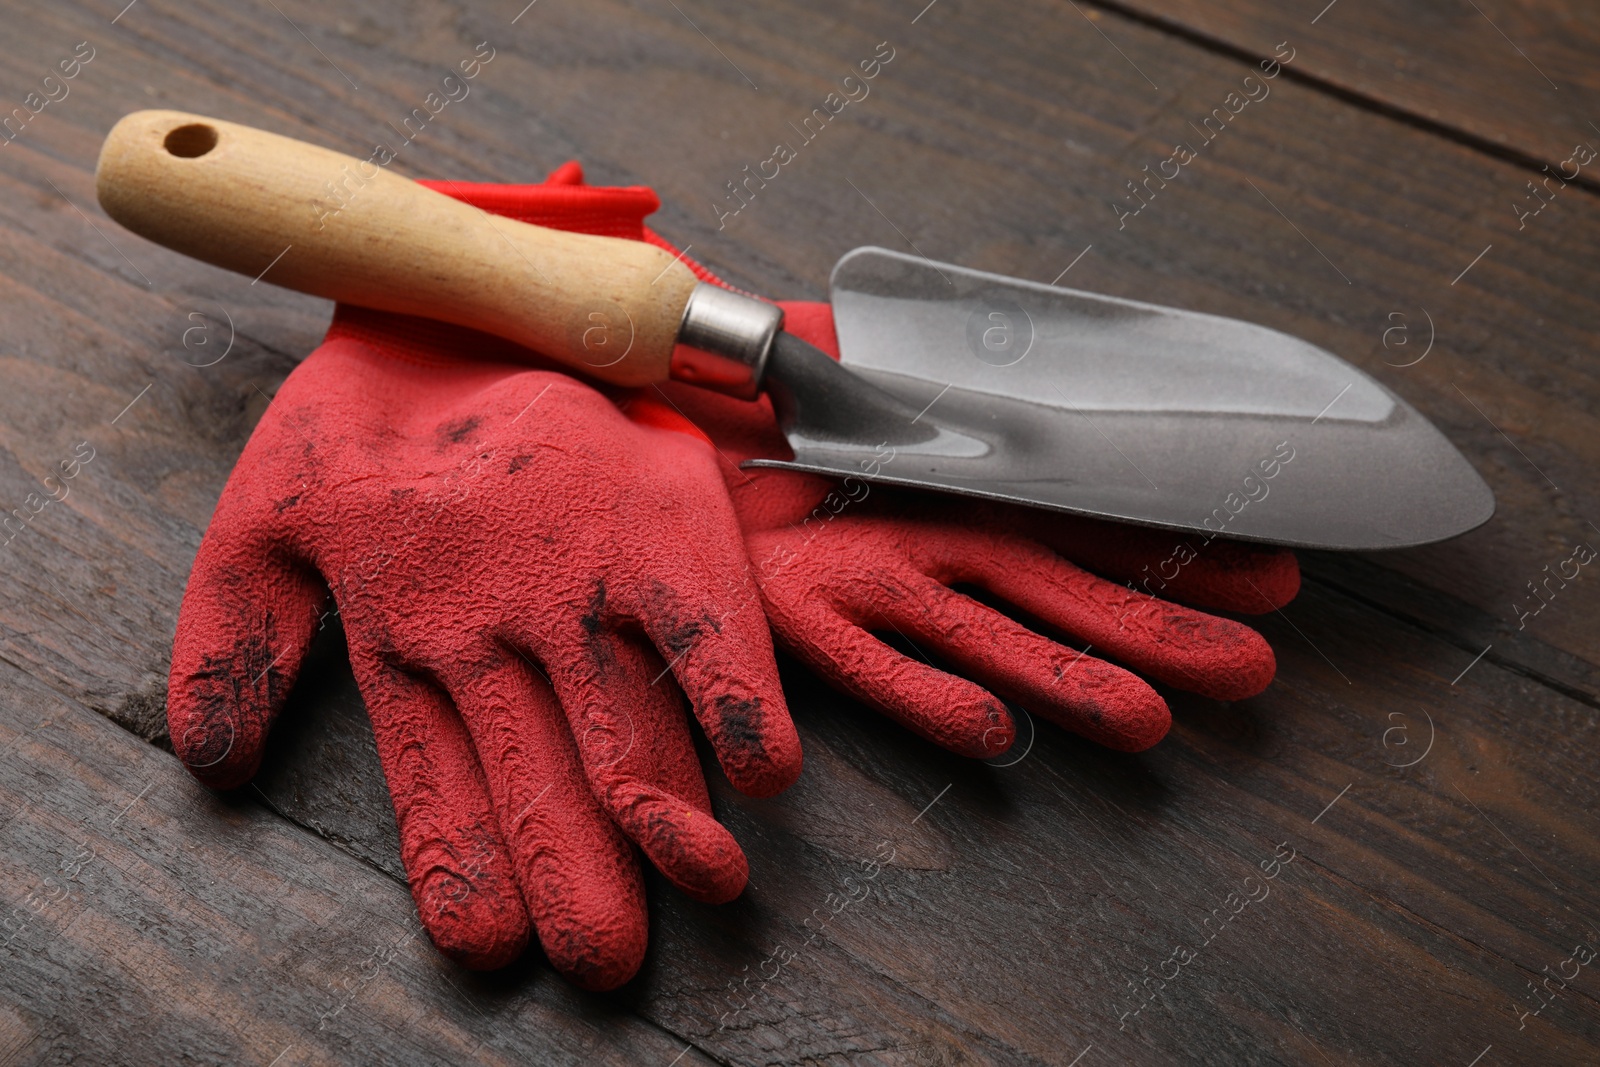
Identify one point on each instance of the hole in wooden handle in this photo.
(191, 141)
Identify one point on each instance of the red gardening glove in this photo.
(838, 563)
(834, 566)
(519, 567)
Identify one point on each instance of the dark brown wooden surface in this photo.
(1024, 903)
(1518, 79)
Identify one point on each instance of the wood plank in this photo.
(1512, 77)
(1022, 904)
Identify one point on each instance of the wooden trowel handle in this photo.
(347, 229)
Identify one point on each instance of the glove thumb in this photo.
(248, 617)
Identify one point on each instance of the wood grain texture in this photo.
(1517, 79)
(1024, 905)
(342, 228)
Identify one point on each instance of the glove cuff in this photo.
(564, 203)
(433, 344)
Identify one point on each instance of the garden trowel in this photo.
(950, 379)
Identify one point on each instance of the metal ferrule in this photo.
(724, 341)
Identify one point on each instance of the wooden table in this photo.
(1426, 754)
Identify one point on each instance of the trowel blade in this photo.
(992, 387)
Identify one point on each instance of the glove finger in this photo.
(1081, 693)
(1188, 649)
(248, 616)
(455, 857)
(1224, 575)
(633, 734)
(578, 874)
(947, 710)
(722, 658)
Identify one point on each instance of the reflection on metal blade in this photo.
(1108, 407)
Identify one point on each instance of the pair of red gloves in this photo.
(533, 572)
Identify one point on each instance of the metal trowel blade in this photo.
(972, 383)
